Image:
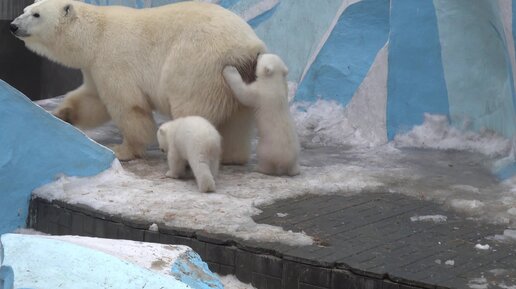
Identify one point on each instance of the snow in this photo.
(325, 123)
(281, 215)
(510, 233)
(154, 227)
(466, 205)
(449, 262)
(231, 282)
(433, 162)
(482, 247)
(436, 133)
(478, 283)
(429, 218)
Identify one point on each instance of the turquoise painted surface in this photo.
(294, 32)
(265, 16)
(415, 82)
(476, 65)
(343, 62)
(228, 3)
(202, 278)
(38, 262)
(35, 147)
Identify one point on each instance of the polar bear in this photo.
(195, 140)
(134, 61)
(278, 145)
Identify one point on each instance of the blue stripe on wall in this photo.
(416, 82)
(228, 3)
(266, 15)
(34, 148)
(343, 62)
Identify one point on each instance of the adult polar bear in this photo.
(133, 61)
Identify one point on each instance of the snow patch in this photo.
(450, 262)
(154, 228)
(478, 283)
(325, 123)
(482, 247)
(429, 218)
(436, 133)
(231, 282)
(281, 215)
(466, 205)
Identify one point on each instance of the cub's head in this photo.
(42, 20)
(270, 65)
(162, 138)
(165, 132)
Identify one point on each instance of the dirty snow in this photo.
(478, 283)
(425, 163)
(429, 218)
(231, 282)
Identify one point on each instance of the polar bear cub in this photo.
(195, 140)
(278, 145)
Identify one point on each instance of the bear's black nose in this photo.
(13, 27)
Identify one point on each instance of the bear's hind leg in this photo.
(236, 137)
(202, 172)
(82, 107)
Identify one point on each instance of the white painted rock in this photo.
(47, 262)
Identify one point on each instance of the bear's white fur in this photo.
(195, 140)
(278, 145)
(134, 61)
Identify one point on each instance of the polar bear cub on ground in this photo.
(195, 140)
(278, 145)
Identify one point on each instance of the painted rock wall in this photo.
(35, 147)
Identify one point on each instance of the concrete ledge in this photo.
(262, 265)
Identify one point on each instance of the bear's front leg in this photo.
(176, 164)
(138, 130)
(131, 113)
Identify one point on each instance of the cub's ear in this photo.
(68, 10)
(269, 70)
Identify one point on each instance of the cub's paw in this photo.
(65, 114)
(230, 71)
(170, 174)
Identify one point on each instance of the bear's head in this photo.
(270, 65)
(45, 27)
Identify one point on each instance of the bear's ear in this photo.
(68, 10)
(269, 70)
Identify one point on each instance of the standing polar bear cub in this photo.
(194, 140)
(134, 61)
(278, 145)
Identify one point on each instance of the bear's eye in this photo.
(36, 15)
